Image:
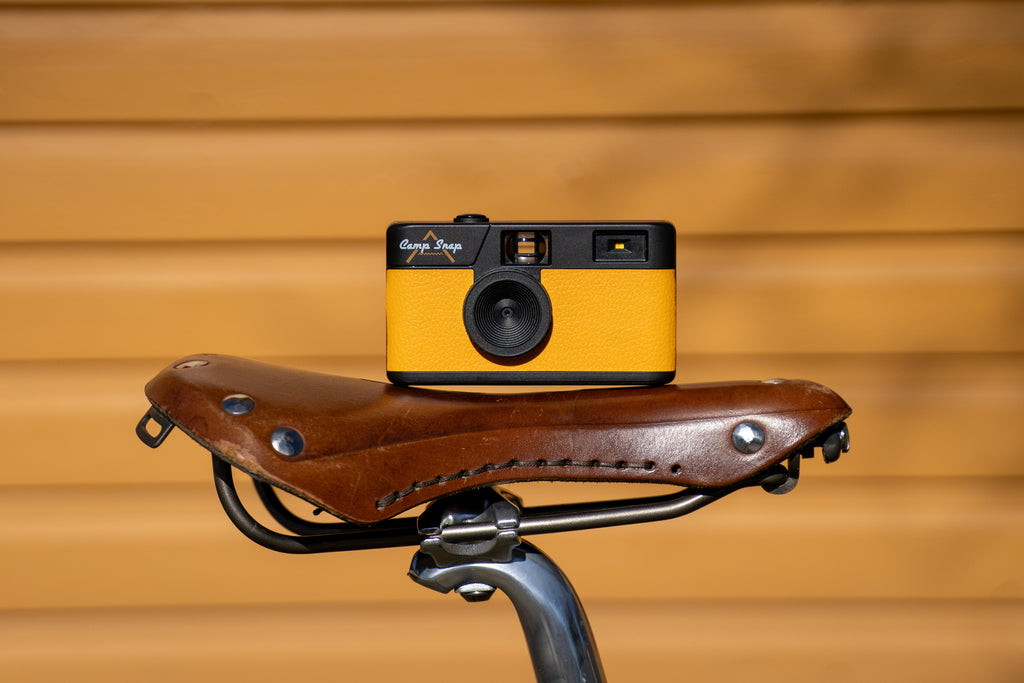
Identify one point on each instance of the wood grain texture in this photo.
(713, 176)
(914, 415)
(774, 642)
(845, 178)
(336, 62)
(811, 294)
(832, 538)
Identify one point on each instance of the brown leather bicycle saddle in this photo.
(367, 451)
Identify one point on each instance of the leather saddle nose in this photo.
(366, 451)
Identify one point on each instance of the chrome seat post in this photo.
(487, 555)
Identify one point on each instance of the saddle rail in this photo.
(366, 451)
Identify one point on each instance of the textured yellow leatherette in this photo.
(602, 320)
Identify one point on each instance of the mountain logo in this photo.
(430, 245)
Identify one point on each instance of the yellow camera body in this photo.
(475, 302)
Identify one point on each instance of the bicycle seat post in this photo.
(365, 452)
(471, 545)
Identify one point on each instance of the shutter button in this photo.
(472, 218)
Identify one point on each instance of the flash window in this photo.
(620, 246)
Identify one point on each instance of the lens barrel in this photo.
(507, 313)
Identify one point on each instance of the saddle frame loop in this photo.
(319, 537)
(470, 536)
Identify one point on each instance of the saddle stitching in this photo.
(396, 496)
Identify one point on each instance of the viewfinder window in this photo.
(526, 247)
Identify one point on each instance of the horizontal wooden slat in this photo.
(792, 642)
(523, 60)
(324, 181)
(808, 294)
(94, 4)
(831, 538)
(914, 416)
(364, 3)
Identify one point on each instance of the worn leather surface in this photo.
(373, 450)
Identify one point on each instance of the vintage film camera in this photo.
(476, 302)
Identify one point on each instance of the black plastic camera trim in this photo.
(532, 377)
(479, 245)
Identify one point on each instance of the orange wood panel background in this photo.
(846, 181)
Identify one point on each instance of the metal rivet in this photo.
(185, 365)
(475, 592)
(238, 404)
(747, 437)
(286, 441)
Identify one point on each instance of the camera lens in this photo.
(507, 314)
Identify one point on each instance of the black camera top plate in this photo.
(478, 244)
